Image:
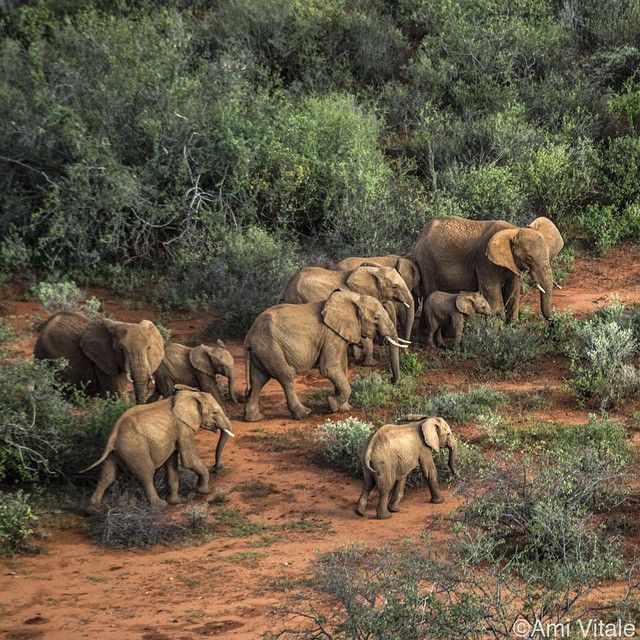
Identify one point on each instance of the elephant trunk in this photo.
(394, 356)
(452, 445)
(544, 282)
(230, 374)
(409, 318)
(141, 377)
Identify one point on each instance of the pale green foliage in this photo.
(341, 443)
(375, 389)
(65, 296)
(16, 519)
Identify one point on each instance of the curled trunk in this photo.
(231, 377)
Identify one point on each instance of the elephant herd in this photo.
(323, 318)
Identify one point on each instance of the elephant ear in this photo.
(499, 249)
(551, 235)
(431, 432)
(342, 314)
(464, 304)
(156, 345)
(200, 359)
(187, 407)
(364, 280)
(96, 343)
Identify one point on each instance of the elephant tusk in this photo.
(229, 433)
(407, 305)
(540, 287)
(557, 285)
(129, 379)
(396, 344)
(405, 341)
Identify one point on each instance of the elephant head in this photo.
(124, 347)
(385, 284)
(410, 273)
(354, 317)
(529, 249)
(212, 361)
(200, 409)
(437, 434)
(470, 302)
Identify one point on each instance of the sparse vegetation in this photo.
(340, 443)
(16, 521)
(65, 296)
(375, 390)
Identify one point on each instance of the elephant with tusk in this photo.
(314, 284)
(395, 450)
(455, 254)
(288, 339)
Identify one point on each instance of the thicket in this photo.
(212, 145)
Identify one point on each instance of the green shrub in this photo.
(600, 367)
(605, 225)
(373, 390)
(501, 346)
(7, 332)
(342, 442)
(460, 406)
(411, 363)
(15, 256)
(16, 518)
(65, 296)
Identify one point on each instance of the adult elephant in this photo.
(455, 254)
(102, 354)
(314, 284)
(288, 339)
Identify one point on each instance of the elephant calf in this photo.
(442, 310)
(395, 450)
(148, 436)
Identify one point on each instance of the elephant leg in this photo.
(367, 486)
(511, 296)
(108, 474)
(385, 485)
(222, 440)
(144, 471)
(398, 493)
(439, 339)
(296, 408)
(171, 467)
(367, 349)
(336, 373)
(191, 460)
(257, 380)
(428, 468)
(458, 328)
(492, 291)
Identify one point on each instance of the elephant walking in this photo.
(148, 436)
(289, 339)
(455, 254)
(102, 354)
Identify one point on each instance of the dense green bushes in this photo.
(169, 135)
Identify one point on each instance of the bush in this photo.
(605, 225)
(502, 346)
(411, 363)
(599, 362)
(15, 256)
(461, 406)
(65, 296)
(372, 390)
(341, 443)
(7, 332)
(16, 518)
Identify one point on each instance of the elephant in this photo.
(197, 367)
(288, 339)
(102, 354)
(394, 450)
(314, 284)
(455, 254)
(442, 310)
(145, 437)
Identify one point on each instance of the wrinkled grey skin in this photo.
(102, 353)
(408, 271)
(455, 254)
(314, 284)
(442, 310)
(395, 450)
(288, 339)
(148, 436)
(197, 367)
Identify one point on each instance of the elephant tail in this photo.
(109, 447)
(367, 457)
(247, 369)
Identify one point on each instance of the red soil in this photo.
(77, 589)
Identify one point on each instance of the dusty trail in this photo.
(228, 587)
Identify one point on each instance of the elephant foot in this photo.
(94, 509)
(301, 412)
(337, 406)
(394, 508)
(203, 489)
(159, 505)
(369, 362)
(437, 500)
(252, 416)
(175, 500)
(360, 511)
(214, 468)
(383, 515)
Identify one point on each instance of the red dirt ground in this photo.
(76, 589)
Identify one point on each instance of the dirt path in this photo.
(229, 586)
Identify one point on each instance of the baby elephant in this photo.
(395, 450)
(148, 436)
(450, 309)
